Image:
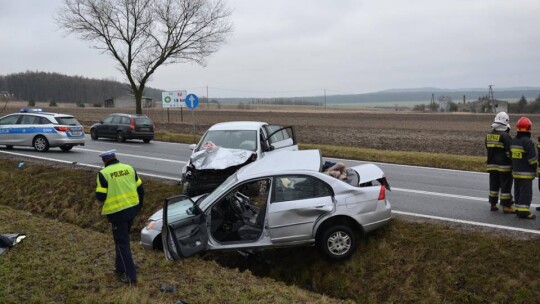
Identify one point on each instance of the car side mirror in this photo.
(101, 121)
(192, 146)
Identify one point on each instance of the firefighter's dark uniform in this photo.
(122, 192)
(499, 166)
(524, 165)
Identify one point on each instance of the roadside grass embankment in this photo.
(68, 256)
(423, 159)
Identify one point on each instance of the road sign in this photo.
(174, 99)
(192, 101)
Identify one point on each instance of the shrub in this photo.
(52, 103)
(31, 103)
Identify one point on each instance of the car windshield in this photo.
(67, 120)
(143, 121)
(231, 180)
(232, 139)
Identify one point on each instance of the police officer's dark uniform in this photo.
(122, 193)
(499, 166)
(524, 163)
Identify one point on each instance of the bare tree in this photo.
(142, 35)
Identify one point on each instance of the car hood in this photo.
(219, 158)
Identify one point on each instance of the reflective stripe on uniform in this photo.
(499, 168)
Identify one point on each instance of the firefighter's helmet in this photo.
(524, 125)
(502, 118)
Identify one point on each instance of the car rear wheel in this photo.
(120, 137)
(9, 147)
(337, 242)
(66, 148)
(93, 134)
(40, 144)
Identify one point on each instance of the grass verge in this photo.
(61, 261)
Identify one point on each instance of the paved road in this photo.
(447, 195)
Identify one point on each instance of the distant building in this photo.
(127, 101)
(484, 105)
(444, 103)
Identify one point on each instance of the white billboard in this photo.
(174, 99)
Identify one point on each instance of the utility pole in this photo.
(207, 99)
(325, 99)
(491, 99)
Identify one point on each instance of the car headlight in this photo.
(150, 225)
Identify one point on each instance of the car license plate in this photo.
(144, 129)
(76, 133)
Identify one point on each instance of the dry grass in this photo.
(405, 262)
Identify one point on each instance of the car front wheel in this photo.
(93, 134)
(337, 242)
(41, 144)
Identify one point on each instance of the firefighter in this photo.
(122, 193)
(499, 164)
(524, 163)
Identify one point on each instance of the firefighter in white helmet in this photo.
(499, 164)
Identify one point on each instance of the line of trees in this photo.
(48, 87)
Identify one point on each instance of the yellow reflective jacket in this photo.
(121, 188)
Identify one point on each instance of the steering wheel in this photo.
(238, 204)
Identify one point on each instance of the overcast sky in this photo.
(302, 47)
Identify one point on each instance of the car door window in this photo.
(28, 120)
(116, 120)
(299, 187)
(242, 209)
(43, 121)
(125, 121)
(108, 119)
(10, 120)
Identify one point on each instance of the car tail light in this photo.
(382, 193)
(132, 125)
(62, 129)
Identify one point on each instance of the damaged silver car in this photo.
(282, 200)
(228, 146)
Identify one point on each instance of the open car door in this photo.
(279, 137)
(184, 230)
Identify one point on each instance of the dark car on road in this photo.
(124, 126)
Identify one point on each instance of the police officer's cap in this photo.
(108, 155)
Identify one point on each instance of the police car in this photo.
(41, 130)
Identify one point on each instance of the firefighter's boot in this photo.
(526, 215)
(509, 210)
(494, 207)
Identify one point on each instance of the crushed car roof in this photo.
(283, 161)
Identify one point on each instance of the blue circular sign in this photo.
(192, 101)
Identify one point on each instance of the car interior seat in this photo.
(252, 231)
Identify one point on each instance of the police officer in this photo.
(122, 193)
(524, 163)
(499, 164)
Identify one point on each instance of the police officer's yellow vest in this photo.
(122, 188)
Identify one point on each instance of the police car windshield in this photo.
(67, 120)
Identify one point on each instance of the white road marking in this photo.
(446, 195)
(86, 165)
(467, 222)
(135, 156)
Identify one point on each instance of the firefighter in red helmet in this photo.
(524, 165)
(499, 164)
